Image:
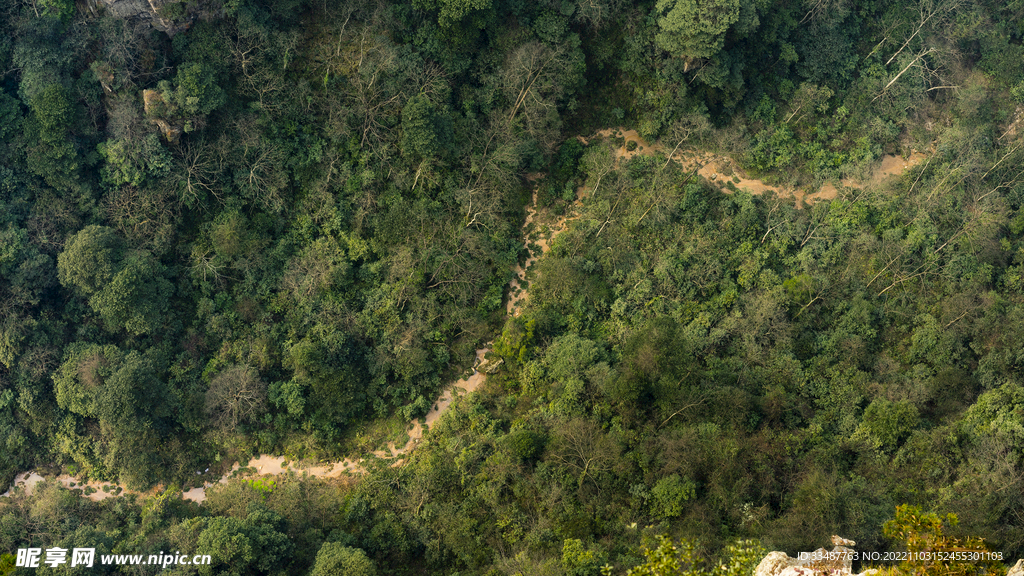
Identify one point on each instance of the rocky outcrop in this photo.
(837, 562)
(155, 107)
(774, 563)
(821, 562)
(169, 132)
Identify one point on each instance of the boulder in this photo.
(153, 103)
(774, 564)
(821, 562)
(155, 106)
(837, 562)
(169, 132)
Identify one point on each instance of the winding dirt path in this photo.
(538, 236)
(721, 170)
(268, 465)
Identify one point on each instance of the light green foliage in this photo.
(932, 551)
(264, 487)
(997, 413)
(890, 422)
(61, 9)
(1018, 92)
(334, 558)
(671, 494)
(516, 340)
(668, 559)
(569, 356)
(577, 560)
(90, 259)
(134, 162)
(452, 12)
(695, 29)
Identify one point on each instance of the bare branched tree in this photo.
(235, 396)
(581, 446)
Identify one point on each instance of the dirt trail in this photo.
(100, 490)
(267, 465)
(720, 170)
(538, 236)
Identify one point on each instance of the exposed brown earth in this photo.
(719, 169)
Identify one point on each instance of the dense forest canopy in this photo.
(283, 226)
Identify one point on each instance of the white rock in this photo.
(774, 563)
(1017, 570)
(840, 541)
(798, 571)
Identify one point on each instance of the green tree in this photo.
(923, 535)
(136, 297)
(890, 422)
(53, 156)
(451, 12)
(127, 289)
(671, 494)
(253, 545)
(195, 92)
(90, 259)
(134, 162)
(123, 404)
(695, 29)
(62, 9)
(419, 128)
(335, 558)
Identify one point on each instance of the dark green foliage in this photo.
(127, 289)
(564, 175)
(331, 236)
(52, 155)
(195, 90)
